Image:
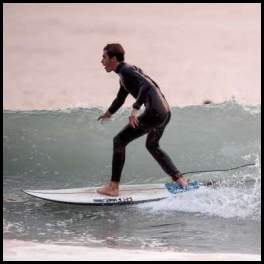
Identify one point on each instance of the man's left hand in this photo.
(133, 121)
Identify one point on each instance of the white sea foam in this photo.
(29, 251)
(226, 202)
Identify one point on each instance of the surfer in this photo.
(152, 121)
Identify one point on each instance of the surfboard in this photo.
(128, 194)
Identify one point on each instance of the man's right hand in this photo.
(104, 116)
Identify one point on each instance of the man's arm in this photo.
(141, 96)
(138, 103)
(119, 100)
(116, 104)
(133, 120)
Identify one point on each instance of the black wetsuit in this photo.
(152, 121)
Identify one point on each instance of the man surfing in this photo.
(152, 121)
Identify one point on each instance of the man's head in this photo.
(113, 54)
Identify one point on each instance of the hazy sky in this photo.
(195, 52)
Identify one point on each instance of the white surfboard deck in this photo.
(128, 194)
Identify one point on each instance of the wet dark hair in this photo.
(115, 50)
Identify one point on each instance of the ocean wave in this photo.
(69, 148)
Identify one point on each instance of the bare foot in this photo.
(183, 182)
(108, 189)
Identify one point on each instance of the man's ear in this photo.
(113, 59)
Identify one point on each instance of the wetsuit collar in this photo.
(120, 65)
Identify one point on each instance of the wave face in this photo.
(70, 148)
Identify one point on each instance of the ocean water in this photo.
(68, 148)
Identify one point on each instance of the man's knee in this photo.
(151, 146)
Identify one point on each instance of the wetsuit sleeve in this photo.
(119, 100)
(141, 96)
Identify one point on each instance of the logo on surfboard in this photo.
(126, 200)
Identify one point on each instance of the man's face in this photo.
(107, 62)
